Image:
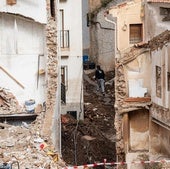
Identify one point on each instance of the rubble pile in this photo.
(23, 144)
(93, 139)
(8, 103)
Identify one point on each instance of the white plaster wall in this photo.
(35, 9)
(21, 41)
(139, 75)
(73, 23)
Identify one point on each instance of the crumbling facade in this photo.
(159, 44)
(29, 60)
(141, 80)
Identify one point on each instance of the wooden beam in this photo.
(12, 77)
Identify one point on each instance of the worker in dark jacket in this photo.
(100, 78)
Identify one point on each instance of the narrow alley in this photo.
(93, 139)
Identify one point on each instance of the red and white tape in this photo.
(115, 163)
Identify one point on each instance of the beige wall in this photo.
(127, 13)
(160, 143)
(139, 130)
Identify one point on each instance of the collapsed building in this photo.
(142, 99)
(140, 47)
(38, 50)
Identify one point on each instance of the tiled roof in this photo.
(159, 1)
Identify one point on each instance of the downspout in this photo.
(115, 28)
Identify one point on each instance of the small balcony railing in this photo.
(63, 93)
(64, 39)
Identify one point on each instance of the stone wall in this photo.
(51, 74)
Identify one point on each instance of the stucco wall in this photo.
(159, 145)
(32, 9)
(153, 20)
(102, 42)
(160, 115)
(74, 59)
(126, 13)
(139, 130)
(21, 41)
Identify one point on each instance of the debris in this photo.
(8, 103)
(91, 140)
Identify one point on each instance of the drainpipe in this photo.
(115, 26)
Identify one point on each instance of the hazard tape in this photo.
(116, 163)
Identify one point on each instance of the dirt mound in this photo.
(93, 139)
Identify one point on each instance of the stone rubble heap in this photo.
(8, 103)
(24, 145)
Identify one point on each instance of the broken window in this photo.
(135, 33)
(158, 81)
(11, 2)
(166, 13)
(168, 81)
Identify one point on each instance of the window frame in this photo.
(135, 33)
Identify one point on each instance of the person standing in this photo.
(100, 78)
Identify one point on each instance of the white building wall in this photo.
(35, 9)
(73, 23)
(21, 42)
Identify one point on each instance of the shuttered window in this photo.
(135, 33)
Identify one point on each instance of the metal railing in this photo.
(64, 39)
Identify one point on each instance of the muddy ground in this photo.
(92, 139)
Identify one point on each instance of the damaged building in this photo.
(41, 61)
(141, 83)
(140, 51)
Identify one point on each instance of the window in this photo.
(52, 8)
(64, 34)
(165, 12)
(135, 33)
(64, 85)
(158, 81)
(11, 2)
(168, 81)
(64, 75)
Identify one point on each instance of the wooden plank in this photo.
(12, 77)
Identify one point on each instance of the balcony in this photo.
(64, 39)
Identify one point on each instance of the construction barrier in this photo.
(115, 163)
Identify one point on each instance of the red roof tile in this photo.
(159, 1)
